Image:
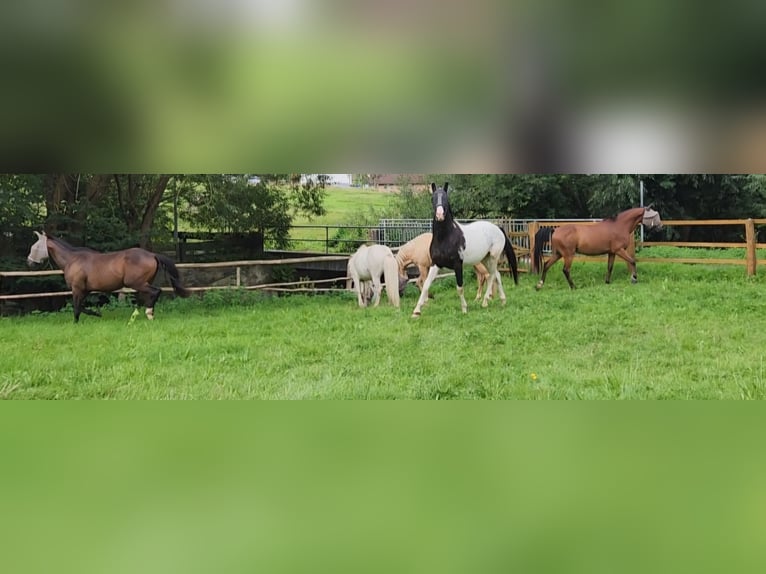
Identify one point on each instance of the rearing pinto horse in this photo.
(454, 245)
(86, 270)
(610, 236)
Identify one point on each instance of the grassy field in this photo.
(682, 332)
(344, 206)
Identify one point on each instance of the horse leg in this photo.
(361, 292)
(149, 293)
(459, 279)
(153, 296)
(481, 279)
(424, 292)
(567, 267)
(622, 253)
(555, 256)
(609, 266)
(377, 291)
(491, 266)
(422, 278)
(499, 284)
(78, 305)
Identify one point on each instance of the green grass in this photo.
(343, 206)
(669, 251)
(681, 332)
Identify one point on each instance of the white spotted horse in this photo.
(454, 245)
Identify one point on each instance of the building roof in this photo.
(396, 179)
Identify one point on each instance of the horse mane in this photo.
(69, 246)
(615, 216)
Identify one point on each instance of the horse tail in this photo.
(542, 236)
(391, 274)
(170, 268)
(511, 255)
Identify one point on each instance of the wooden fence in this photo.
(523, 241)
(750, 261)
(236, 280)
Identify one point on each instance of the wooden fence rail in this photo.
(237, 265)
(750, 261)
(750, 244)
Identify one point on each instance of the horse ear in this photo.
(446, 184)
(433, 187)
(39, 236)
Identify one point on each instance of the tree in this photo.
(21, 209)
(139, 198)
(104, 211)
(530, 196)
(266, 203)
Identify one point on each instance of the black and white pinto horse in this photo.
(454, 245)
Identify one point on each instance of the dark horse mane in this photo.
(69, 245)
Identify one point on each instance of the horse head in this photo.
(440, 202)
(403, 280)
(39, 250)
(651, 219)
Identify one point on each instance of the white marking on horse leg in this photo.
(150, 313)
(488, 293)
(424, 292)
(494, 276)
(500, 287)
(463, 304)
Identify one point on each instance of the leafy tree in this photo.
(21, 209)
(266, 203)
(536, 196)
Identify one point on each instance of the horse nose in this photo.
(439, 213)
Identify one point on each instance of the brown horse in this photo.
(416, 252)
(86, 270)
(609, 236)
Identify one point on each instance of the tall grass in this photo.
(681, 332)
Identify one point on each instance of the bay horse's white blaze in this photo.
(368, 264)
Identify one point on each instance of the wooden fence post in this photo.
(750, 256)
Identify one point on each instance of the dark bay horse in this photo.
(454, 245)
(86, 270)
(610, 236)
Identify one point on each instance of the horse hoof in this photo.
(415, 316)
